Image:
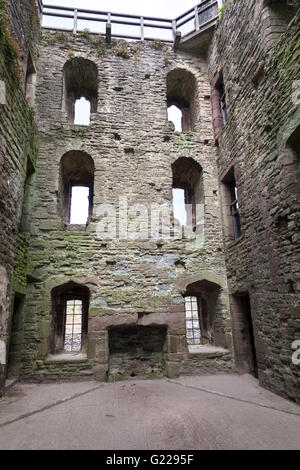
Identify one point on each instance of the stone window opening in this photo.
(82, 112)
(292, 161)
(30, 79)
(76, 188)
(219, 103)
(198, 323)
(230, 206)
(80, 90)
(223, 106)
(182, 93)
(70, 304)
(175, 115)
(79, 204)
(187, 192)
(203, 316)
(25, 215)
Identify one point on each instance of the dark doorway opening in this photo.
(244, 334)
(16, 338)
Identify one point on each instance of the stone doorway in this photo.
(244, 336)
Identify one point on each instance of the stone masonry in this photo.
(133, 285)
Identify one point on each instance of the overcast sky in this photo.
(161, 8)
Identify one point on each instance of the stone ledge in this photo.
(206, 351)
(65, 357)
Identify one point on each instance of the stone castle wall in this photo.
(263, 112)
(136, 285)
(17, 145)
(132, 282)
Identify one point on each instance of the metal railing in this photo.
(78, 19)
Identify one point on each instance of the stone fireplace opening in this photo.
(137, 350)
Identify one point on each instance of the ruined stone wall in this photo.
(17, 143)
(260, 70)
(132, 282)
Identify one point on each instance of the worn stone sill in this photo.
(66, 357)
(207, 350)
(76, 227)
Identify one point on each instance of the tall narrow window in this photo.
(175, 116)
(223, 106)
(234, 209)
(76, 187)
(230, 206)
(26, 210)
(80, 196)
(182, 99)
(80, 90)
(219, 104)
(193, 320)
(179, 206)
(73, 325)
(187, 191)
(30, 81)
(82, 112)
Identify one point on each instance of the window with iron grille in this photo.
(223, 106)
(234, 209)
(193, 320)
(73, 325)
(69, 319)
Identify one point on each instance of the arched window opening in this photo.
(201, 311)
(175, 116)
(187, 192)
(30, 79)
(182, 94)
(70, 304)
(76, 187)
(81, 90)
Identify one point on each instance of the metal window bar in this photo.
(73, 325)
(193, 320)
(234, 210)
(223, 106)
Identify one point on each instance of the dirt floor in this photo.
(207, 412)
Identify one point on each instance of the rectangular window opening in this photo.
(82, 112)
(73, 326)
(231, 206)
(179, 205)
(193, 323)
(234, 209)
(79, 207)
